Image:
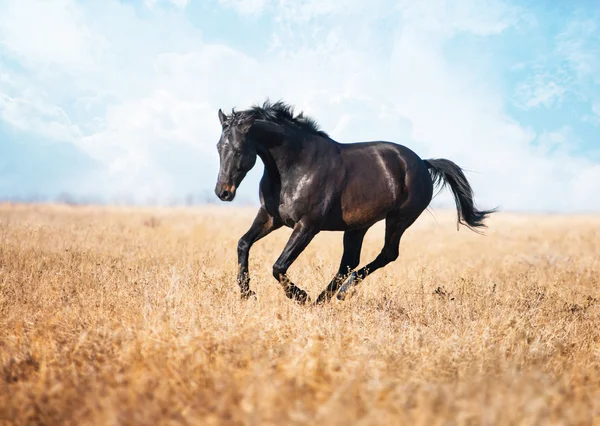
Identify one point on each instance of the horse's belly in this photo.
(363, 206)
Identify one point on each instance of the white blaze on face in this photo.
(226, 140)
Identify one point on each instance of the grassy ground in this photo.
(132, 316)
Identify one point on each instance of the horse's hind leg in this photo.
(395, 225)
(353, 240)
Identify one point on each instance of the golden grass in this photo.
(133, 316)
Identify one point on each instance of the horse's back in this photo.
(369, 148)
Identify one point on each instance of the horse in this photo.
(312, 183)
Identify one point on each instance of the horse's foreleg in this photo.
(301, 236)
(350, 259)
(263, 225)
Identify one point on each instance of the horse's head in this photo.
(237, 154)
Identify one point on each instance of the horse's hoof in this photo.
(347, 287)
(344, 293)
(302, 297)
(248, 295)
(297, 294)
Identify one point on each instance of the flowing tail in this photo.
(445, 172)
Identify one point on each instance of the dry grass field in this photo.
(132, 316)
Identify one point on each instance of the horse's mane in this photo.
(280, 113)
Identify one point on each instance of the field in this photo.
(132, 316)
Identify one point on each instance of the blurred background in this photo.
(115, 101)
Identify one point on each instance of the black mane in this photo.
(281, 113)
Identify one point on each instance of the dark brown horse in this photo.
(313, 183)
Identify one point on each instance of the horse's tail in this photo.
(446, 172)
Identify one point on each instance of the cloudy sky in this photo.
(116, 98)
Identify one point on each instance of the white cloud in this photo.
(541, 91)
(569, 71)
(594, 117)
(181, 4)
(591, 118)
(41, 33)
(35, 116)
(246, 7)
(441, 17)
(140, 94)
(578, 44)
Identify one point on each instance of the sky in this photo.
(117, 100)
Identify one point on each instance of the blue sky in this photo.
(118, 99)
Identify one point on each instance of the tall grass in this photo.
(133, 316)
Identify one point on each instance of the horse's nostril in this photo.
(225, 194)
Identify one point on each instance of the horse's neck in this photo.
(277, 149)
(271, 165)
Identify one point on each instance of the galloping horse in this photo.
(312, 183)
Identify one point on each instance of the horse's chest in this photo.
(279, 207)
(287, 211)
(291, 202)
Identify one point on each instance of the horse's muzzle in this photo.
(225, 192)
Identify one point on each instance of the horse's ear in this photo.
(222, 117)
